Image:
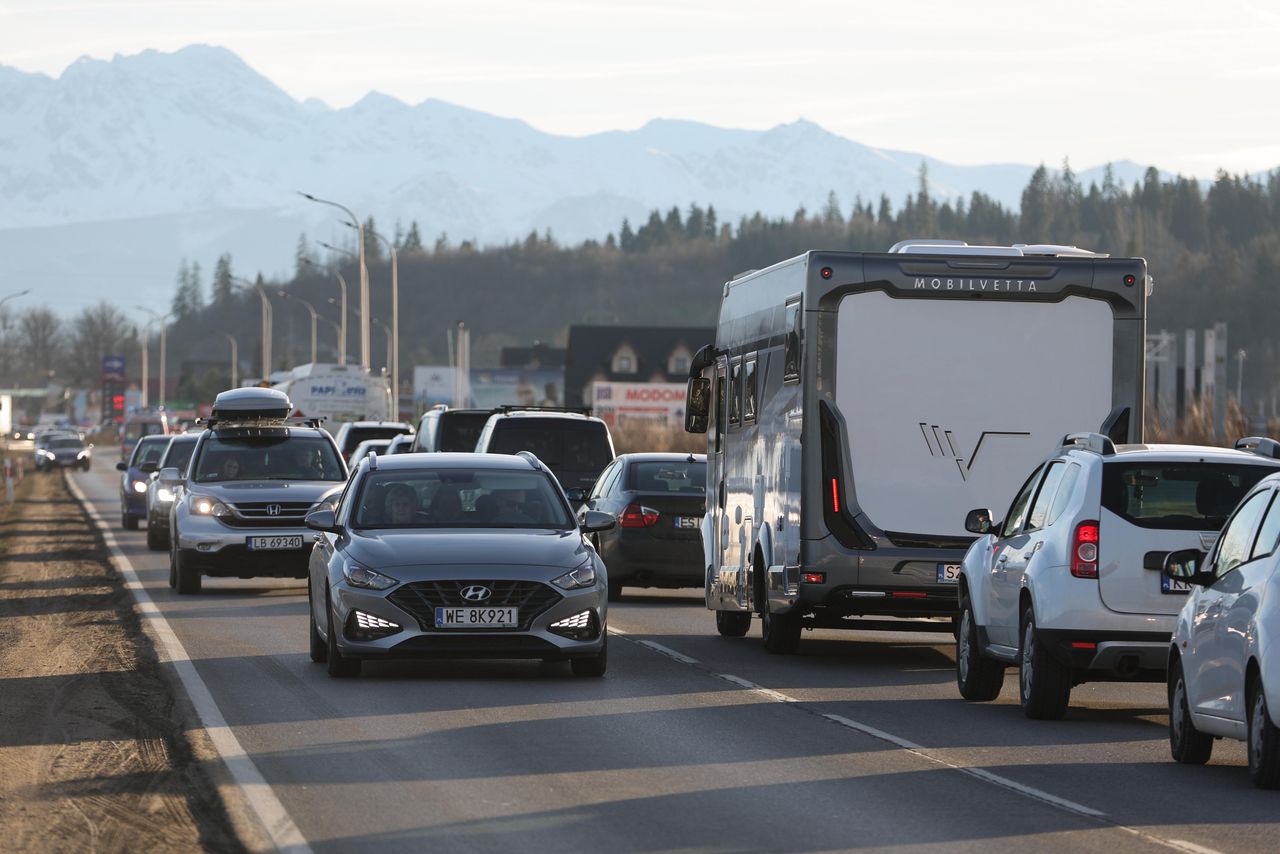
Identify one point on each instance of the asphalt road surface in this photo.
(691, 742)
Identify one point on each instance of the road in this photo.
(691, 742)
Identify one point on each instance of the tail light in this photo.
(636, 516)
(1084, 551)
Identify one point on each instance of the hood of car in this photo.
(379, 549)
(240, 491)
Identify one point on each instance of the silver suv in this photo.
(254, 475)
(1069, 586)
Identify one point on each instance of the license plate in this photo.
(686, 521)
(268, 544)
(462, 618)
(948, 573)
(1173, 585)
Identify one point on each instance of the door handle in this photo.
(1002, 558)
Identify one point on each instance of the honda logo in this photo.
(273, 509)
(476, 593)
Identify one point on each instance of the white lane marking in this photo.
(923, 752)
(255, 790)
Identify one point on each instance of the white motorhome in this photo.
(857, 405)
(337, 393)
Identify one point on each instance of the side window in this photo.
(749, 390)
(1066, 489)
(791, 358)
(735, 393)
(1237, 537)
(1018, 510)
(1268, 532)
(602, 483)
(615, 478)
(1048, 491)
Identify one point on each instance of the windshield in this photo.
(563, 444)
(64, 444)
(678, 478)
(460, 498)
(147, 452)
(178, 455)
(267, 458)
(1175, 495)
(459, 431)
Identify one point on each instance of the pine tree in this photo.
(221, 287)
(831, 213)
(412, 240)
(302, 256)
(1037, 207)
(711, 222)
(626, 237)
(372, 246)
(180, 307)
(195, 290)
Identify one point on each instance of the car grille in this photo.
(254, 514)
(421, 598)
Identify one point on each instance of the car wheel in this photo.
(781, 632)
(978, 678)
(173, 570)
(1264, 742)
(1188, 745)
(319, 646)
(153, 538)
(1044, 685)
(186, 577)
(339, 665)
(615, 590)
(129, 523)
(733, 624)
(595, 665)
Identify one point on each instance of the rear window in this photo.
(681, 477)
(563, 444)
(1177, 496)
(356, 435)
(459, 431)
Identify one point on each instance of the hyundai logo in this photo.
(273, 509)
(476, 593)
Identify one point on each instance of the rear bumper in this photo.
(1137, 656)
(638, 558)
(888, 582)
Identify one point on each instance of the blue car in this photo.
(136, 475)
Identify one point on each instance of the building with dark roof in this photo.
(634, 354)
(537, 356)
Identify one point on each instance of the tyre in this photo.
(1044, 685)
(733, 624)
(339, 665)
(978, 678)
(1188, 745)
(593, 666)
(129, 523)
(154, 541)
(1264, 741)
(85, 466)
(781, 632)
(615, 590)
(187, 578)
(173, 568)
(319, 646)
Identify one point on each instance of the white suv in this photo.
(1070, 587)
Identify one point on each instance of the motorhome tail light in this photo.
(814, 578)
(636, 516)
(1084, 551)
(908, 594)
(826, 272)
(835, 496)
(1083, 645)
(1129, 280)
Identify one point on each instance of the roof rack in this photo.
(251, 420)
(532, 459)
(1095, 442)
(1259, 445)
(515, 407)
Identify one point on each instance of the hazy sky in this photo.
(1188, 85)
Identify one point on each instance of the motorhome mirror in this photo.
(697, 405)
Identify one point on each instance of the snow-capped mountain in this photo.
(117, 169)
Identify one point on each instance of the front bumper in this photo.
(215, 549)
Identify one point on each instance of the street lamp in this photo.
(15, 296)
(156, 317)
(235, 359)
(364, 278)
(342, 332)
(315, 317)
(395, 319)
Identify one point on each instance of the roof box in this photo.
(251, 403)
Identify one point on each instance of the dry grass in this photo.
(1196, 426)
(636, 437)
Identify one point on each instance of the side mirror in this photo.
(697, 403)
(322, 520)
(122, 466)
(594, 521)
(576, 495)
(979, 521)
(1187, 565)
(170, 475)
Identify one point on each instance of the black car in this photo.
(659, 501)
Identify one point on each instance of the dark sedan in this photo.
(659, 501)
(144, 460)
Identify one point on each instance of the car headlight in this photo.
(139, 486)
(164, 495)
(576, 579)
(362, 576)
(202, 505)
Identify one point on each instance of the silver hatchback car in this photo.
(457, 556)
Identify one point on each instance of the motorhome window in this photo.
(719, 414)
(735, 394)
(791, 357)
(749, 391)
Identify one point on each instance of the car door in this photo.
(1002, 619)
(1209, 682)
(1239, 609)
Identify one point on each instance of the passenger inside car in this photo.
(399, 504)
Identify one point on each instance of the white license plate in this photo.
(268, 544)
(686, 521)
(490, 618)
(1173, 585)
(948, 573)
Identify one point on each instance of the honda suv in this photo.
(254, 475)
(1070, 586)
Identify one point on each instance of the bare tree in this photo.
(97, 331)
(39, 336)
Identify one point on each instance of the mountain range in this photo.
(114, 171)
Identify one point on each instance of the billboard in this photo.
(489, 387)
(618, 404)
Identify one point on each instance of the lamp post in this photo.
(342, 332)
(235, 359)
(156, 317)
(364, 278)
(146, 367)
(395, 319)
(386, 330)
(315, 318)
(15, 296)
